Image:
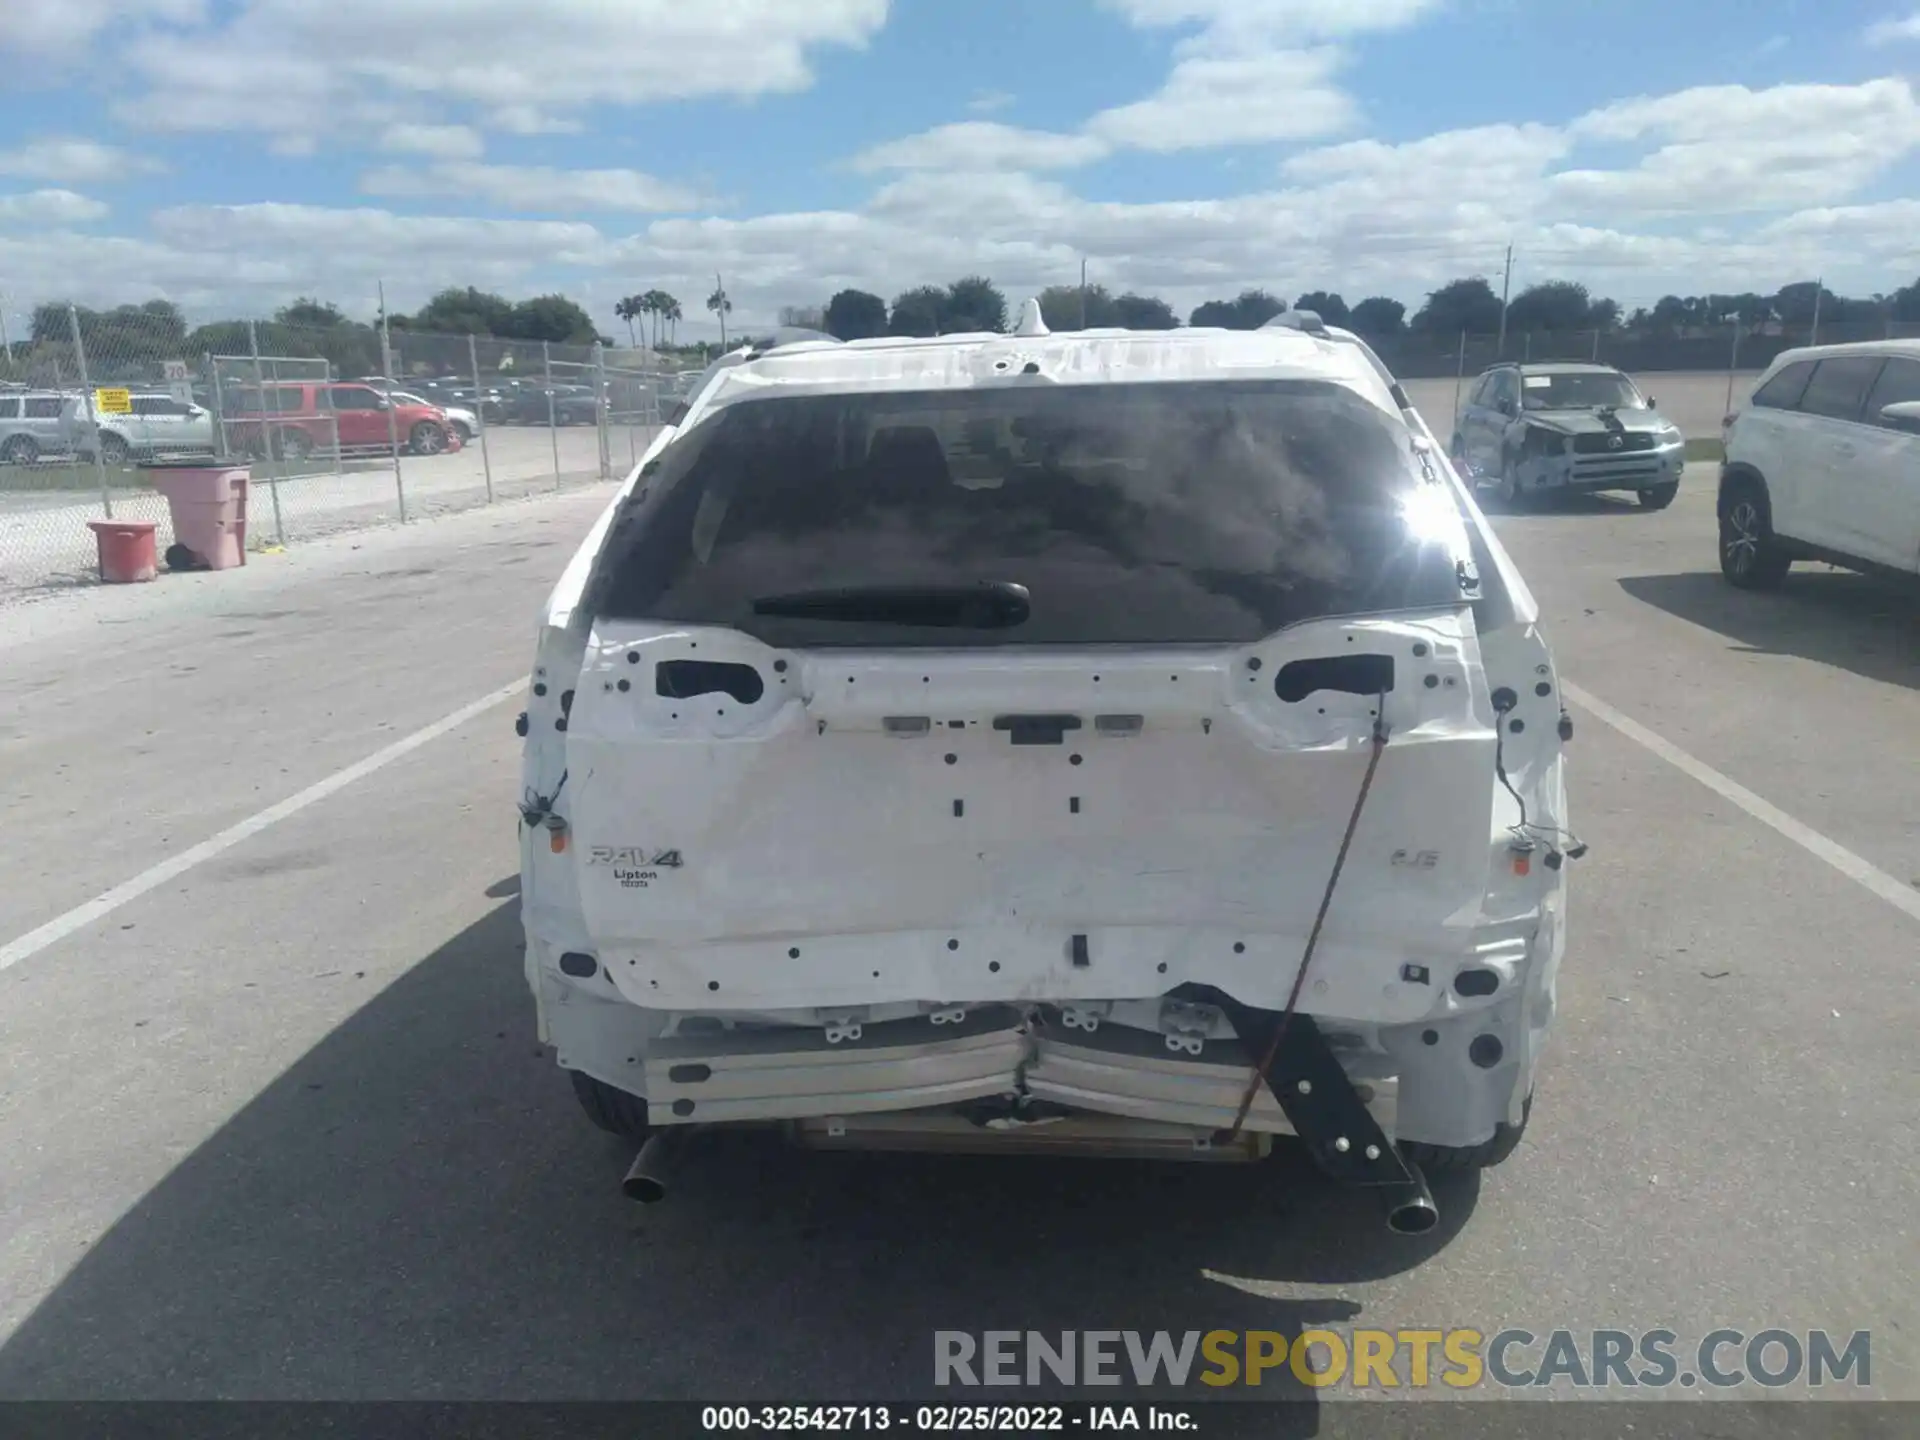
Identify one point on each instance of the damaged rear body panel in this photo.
(950, 743)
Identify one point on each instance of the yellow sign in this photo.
(113, 402)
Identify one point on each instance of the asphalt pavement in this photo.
(273, 1123)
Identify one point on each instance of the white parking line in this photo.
(61, 926)
(1862, 871)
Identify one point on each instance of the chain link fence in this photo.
(342, 428)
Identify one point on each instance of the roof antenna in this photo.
(1031, 320)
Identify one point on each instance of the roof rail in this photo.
(1307, 320)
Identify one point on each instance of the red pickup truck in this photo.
(294, 418)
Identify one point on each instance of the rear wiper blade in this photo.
(996, 605)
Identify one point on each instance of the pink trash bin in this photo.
(208, 505)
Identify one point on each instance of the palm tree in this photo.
(656, 303)
(629, 310)
(672, 313)
(720, 305)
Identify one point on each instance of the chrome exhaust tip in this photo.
(1410, 1207)
(646, 1180)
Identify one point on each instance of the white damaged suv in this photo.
(1120, 743)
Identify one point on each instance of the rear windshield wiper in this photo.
(999, 605)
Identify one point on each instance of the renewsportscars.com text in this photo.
(1458, 1359)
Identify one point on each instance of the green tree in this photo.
(464, 312)
(721, 304)
(917, 311)
(1379, 317)
(1327, 305)
(1468, 304)
(1145, 312)
(1794, 304)
(1551, 305)
(973, 303)
(1249, 310)
(630, 309)
(1061, 307)
(310, 314)
(671, 313)
(552, 318)
(856, 315)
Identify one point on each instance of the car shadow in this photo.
(1577, 502)
(1855, 622)
(417, 1209)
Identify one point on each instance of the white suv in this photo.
(1824, 464)
(1123, 742)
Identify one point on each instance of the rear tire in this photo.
(1751, 555)
(293, 444)
(614, 1111)
(1455, 1159)
(114, 450)
(20, 450)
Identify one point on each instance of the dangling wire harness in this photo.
(1260, 1071)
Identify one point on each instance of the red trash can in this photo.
(126, 550)
(208, 504)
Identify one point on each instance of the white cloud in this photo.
(49, 207)
(64, 29)
(982, 145)
(442, 142)
(74, 160)
(1268, 20)
(526, 62)
(1235, 99)
(1729, 149)
(530, 120)
(1252, 72)
(987, 102)
(532, 187)
(1892, 30)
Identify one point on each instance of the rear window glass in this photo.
(1132, 514)
(1839, 386)
(43, 407)
(1899, 383)
(1784, 390)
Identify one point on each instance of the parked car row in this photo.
(1822, 463)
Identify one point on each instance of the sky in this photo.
(232, 155)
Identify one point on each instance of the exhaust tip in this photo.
(643, 1189)
(646, 1179)
(1416, 1217)
(1410, 1207)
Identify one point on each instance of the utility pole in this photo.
(1818, 285)
(1506, 288)
(1083, 292)
(720, 293)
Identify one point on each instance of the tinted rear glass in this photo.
(43, 407)
(1898, 383)
(1784, 390)
(1839, 386)
(1133, 514)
